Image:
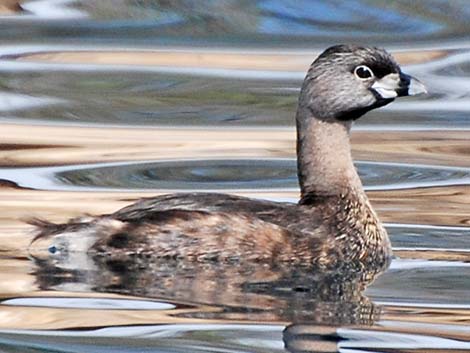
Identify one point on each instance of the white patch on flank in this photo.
(71, 248)
(80, 241)
(109, 223)
(84, 239)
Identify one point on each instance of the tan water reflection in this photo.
(49, 318)
(208, 59)
(55, 145)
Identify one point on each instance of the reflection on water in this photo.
(266, 292)
(103, 102)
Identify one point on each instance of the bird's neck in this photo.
(325, 165)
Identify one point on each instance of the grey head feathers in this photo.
(346, 81)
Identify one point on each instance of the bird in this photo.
(332, 224)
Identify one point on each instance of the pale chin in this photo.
(385, 93)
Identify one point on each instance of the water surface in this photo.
(105, 102)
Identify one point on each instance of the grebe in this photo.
(332, 224)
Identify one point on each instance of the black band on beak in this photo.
(409, 86)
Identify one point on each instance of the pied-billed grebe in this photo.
(333, 222)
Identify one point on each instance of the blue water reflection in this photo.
(352, 18)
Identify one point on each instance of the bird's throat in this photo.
(325, 165)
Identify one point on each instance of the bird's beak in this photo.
(398, 85)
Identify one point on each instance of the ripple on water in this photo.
(429, 283)
(229, 338)
(248, 174)
(232, 338)
(88, 303)
(222, 174)
(415, 236)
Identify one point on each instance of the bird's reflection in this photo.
(289, 292)
(315, 302)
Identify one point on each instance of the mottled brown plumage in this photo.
(333, 224)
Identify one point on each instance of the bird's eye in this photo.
(363, 72)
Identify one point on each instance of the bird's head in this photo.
(347, 81)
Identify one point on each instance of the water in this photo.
(105, 102)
